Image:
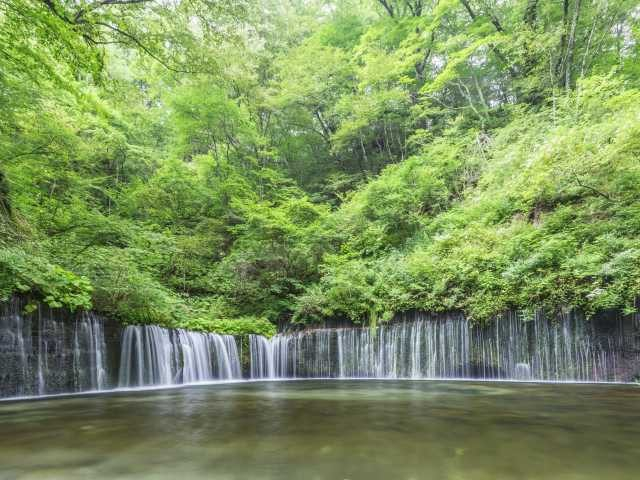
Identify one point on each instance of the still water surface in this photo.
(321, 430)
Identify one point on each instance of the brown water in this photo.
(320, 430)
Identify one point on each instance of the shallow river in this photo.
(313, 430)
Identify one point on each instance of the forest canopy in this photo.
(227, 165)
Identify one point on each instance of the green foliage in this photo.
(24, 273)
(234, 326)
(223, 166)
(547, 221)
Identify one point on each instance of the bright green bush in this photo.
(28, 274)
(551, 221)
(232, 326)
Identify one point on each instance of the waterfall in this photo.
(50, 351)
(89, 351)
(561, 349)
(54, 351)
(153, 355)
(262, 357)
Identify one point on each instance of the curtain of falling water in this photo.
(47, 352)
(152, 355)
(559, 349)
(56, 352)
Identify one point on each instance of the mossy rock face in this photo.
(245, 355)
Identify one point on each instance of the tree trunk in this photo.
(531, 13)
(387, 6)
(5, 206)
(562, 59)
(415, 7)
(571, 42)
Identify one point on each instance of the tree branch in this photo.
(122, 2)
(494, 48)
(592, 189)
(142, 47)
(78, 19)
(387, 6)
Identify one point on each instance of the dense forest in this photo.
(224, 165)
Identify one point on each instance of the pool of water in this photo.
(328, 429)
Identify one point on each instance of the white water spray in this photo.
(152, 355)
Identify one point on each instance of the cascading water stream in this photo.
(564, 349)
(152, 355)
(89, 350)
(262, 359)
(45, 353)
